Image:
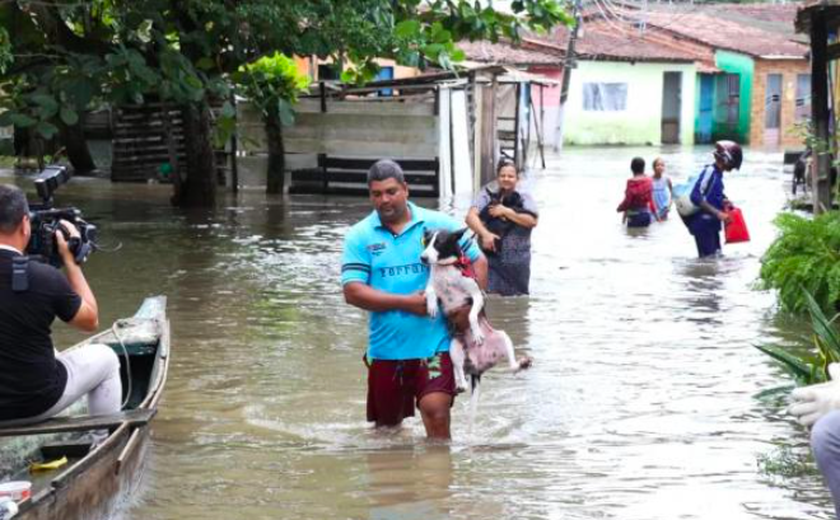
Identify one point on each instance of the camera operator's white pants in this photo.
(92, 370)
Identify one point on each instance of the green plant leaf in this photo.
(69, 116)
(47, 130)
(80, 91)
(17, 119)
(205, 63)
(801, 371)
(407, 29)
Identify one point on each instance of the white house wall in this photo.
(640, 122)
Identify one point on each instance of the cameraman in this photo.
(37, 382)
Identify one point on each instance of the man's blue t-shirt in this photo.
(376, 257)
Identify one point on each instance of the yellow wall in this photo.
(309, 66)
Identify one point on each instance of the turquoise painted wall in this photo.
(641, 122)
(744, 66)
(704, 108)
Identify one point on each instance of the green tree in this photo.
(273, 84)
(78, 54)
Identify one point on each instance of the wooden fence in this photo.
(149, 136)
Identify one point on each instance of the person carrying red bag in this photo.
(708, 196)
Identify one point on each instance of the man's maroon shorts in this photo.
(395, 386)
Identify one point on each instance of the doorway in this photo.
(773, 110)
(671, 104)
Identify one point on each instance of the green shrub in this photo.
(806, 254)
(273, 84)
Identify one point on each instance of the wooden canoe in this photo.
(95, 481)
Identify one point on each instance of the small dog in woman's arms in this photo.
(452, 283)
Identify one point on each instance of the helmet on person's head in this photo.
(729, 152)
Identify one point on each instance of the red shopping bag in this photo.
(736, 229)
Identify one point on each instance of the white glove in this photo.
(812, 402)
(8, 508)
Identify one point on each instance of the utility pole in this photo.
(571, 63)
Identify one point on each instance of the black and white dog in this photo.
(451, 283)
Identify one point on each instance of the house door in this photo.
(773, 110)
(705, 115)
(671, 102)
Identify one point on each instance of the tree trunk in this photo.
(199, 188)
(76, 146)
(276, 155)
(23, 142)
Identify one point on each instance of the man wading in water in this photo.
(381, 272)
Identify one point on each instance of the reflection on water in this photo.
(641, 404)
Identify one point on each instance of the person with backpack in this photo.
(638, 205)
(710, 202)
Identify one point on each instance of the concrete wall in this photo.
(789, 69)
(357, 128)
(734, 63)
(641, 122)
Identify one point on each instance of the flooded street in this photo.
(641, 404)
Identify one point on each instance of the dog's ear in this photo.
(427, 237)
(457, 235)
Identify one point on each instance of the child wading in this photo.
(638, 205)
(662, 189)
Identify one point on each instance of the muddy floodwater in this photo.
(641, 404)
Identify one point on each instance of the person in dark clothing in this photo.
(502, 218)
(709, 197)
(35, 381)
(637, 205)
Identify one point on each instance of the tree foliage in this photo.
(61, 57)
(806, 254)
(273, 83)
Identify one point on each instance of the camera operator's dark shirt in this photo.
(31, 379)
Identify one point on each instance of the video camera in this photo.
(45, 220)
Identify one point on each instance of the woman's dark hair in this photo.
(13, 208)
(504, 163)
(637, 165)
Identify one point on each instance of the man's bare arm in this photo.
(366, 297)
(87, 317)
(480, 267)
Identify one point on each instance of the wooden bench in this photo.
(348, 176)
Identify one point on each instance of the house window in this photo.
(605, 97)
(803, 97)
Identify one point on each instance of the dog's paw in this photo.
(460, 389)
(478, 337)
(525, 362)
(432, 310)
